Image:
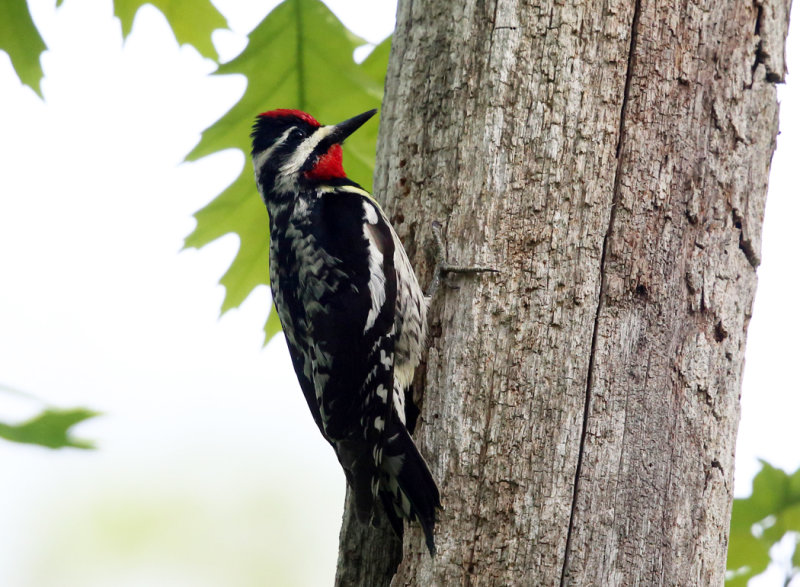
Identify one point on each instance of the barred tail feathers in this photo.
(407, 484)
(403, 481)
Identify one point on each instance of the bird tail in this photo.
(395, 472)
(407, 488)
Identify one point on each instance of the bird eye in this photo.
(301, 133)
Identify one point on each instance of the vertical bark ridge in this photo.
(603, 285)
(657, 452)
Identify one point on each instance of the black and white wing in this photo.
(353, 363)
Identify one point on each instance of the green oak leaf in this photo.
(50, 428)
(748, 556)
(300, 56)
(377, 61)
(760, 521)
(20, 39)
(192, 21)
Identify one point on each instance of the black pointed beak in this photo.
(344, 129)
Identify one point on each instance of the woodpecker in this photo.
(352, 311)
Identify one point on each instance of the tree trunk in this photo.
(611, 159)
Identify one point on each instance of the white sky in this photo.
(99, 308)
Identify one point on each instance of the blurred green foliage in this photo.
(223, 522)
(192, 21)
(762, 520)
(23, 43)
(51, 428)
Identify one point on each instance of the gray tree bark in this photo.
(611, 158)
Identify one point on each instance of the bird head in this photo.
(291, 148)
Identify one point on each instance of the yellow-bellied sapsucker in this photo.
(352, 311)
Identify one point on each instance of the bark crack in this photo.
(615, 198)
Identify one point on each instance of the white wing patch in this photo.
(372, 215)
(377, 278)
(399, 402)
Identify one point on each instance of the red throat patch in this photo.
(328, 166)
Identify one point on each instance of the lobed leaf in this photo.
(20, 39)
(50, 428)
(192, 21)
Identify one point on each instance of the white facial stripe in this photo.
(303, 152)
(260, 159)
